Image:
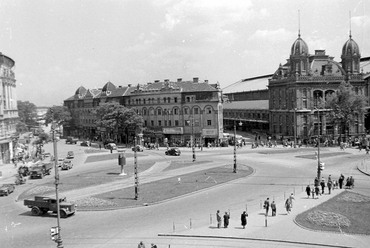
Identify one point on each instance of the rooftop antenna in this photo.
(350, 34)
(299, 23)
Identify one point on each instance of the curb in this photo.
(363, 172)
(253, 239)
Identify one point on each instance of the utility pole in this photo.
(135, 172)
(318, 147)
(192, 138)
(59, 237)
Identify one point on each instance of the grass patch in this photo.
(182, 163)
(164, 189)
(347, 212)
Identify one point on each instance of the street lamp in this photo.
(192, 138)
(136, 172)
(59, 238)
(318, 146)
(240, 123)
(295, 128)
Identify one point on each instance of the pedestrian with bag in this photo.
(243, 219)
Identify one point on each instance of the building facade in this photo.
(8, 108)
(173, 112)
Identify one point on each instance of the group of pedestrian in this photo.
(267, 205)
(226, 218)
(141, 245)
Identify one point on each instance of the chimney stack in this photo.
(206, 81)
(179, 80)
(156, 81)
(195, 80)
(129, 85)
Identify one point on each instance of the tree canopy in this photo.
(114, 117)
(60, 114)
(346, 106)
(27, 113)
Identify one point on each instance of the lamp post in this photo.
(59, 237)
(192, 138)
(318, 146)
(295, 128)
(135, 172)
(240, 123)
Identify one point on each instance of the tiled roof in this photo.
(248, 84)
(119, 91)
(183, 86)
(255, 104)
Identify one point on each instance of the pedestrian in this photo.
(141, 245)
(313, 192)
(287, 206)
(308, 191)
(273, 208)
(330, 185)
(340, 181)
(243, 219)
(266, 205)
(317, 191)
(226, 219)
(322, 184)
(352, 182)
(291, 198)
(153, 246)
(218, 216)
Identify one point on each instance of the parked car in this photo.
(67, 164)
(84, 143)
(6, 189)
(71, 140)
(173, 152)
(138, 148)
(60, 162)
(111, 146)
(70, 154)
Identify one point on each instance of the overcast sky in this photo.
(59, 45)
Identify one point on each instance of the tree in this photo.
(59, 114)
(346, 106)
(27, 113)
(21, 127)
(114, 117)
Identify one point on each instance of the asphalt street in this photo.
(277, 174)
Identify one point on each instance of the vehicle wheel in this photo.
(43, 211)
(62, 214)
(35, 211)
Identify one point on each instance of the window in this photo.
(209, 110)
(176, 123)
(175, 111)
(144, 111)
(187, 99)
(165, 123)
(209, 123)
(186, 111)
(159, 123)
(158, 100)
(196, 111)
(152, 123)
(168, 99)
(145, 123)
(169, 123)
(159, 111)
(187, 123)
(144, 101)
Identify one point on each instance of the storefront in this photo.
(174, 136)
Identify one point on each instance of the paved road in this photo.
(276, 174)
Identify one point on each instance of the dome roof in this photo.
(351, 48)
(80, 91)
(299, 47)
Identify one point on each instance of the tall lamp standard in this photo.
(318, 146)
(240, 123)
(59, 238)
(192, 138)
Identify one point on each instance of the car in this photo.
(138, 148)
(173, 152)
(84, 143)
(6, 189)
(67, 164)
(111, 146)
(71, 140)
(70, 154)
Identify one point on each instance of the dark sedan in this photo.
(173, 152)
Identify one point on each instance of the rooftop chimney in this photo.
(166, 80)
(206, 81)
(195, 80)
(129, 85)
(179, 80)
(156, 81)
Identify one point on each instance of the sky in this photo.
(59, 45)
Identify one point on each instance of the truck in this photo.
(71, 140)
(67, 164)
(40, 170)
(42, 204)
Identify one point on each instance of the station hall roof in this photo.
(242, 105)
(248, 84)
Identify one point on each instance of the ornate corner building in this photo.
(8, 108)
(172, 111)
(286, 103)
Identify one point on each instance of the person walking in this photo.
(308, 191)
(317, 191)
(226, 219)
(273, 208)
(340, 181)
(313, 192)
(243, 219)
(266, 205)
(322, 184)
(329, 184)
(291, 198)
(218, 216)
(141, 245)
(287, 206)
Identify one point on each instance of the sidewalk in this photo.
(281, 230)
(8, 171)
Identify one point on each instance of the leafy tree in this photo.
(346, 106)
(60, 114)
(114, 117)
(21, 127)
(27, 113)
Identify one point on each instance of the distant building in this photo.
(172, 111)
(8, 108)
(288, 108)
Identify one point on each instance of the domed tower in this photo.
(351, 56)
(299, 57)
